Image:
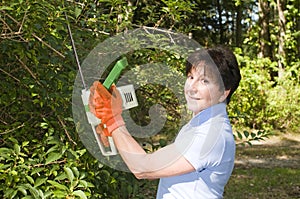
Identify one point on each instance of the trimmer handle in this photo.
(94, 121)
(115, 73)
(128, 98)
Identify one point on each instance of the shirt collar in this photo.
(210, 112)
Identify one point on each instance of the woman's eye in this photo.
(205, 81)
(190, 77)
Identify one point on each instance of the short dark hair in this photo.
(225, 61)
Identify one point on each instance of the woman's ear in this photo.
(224, 95)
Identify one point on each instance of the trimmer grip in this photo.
(94, 122)
(115, 73)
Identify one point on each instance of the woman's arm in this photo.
(164, 162)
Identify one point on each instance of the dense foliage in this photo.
(41, 155)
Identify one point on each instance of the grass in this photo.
(253, 183)
(269, 169)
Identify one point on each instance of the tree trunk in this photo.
(219, 8)
(264, 34)
(281, 37)
(238, 25)
(298, 27)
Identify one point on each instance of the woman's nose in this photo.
(191, 87)
(192, 92)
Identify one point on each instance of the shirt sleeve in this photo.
(201, 146)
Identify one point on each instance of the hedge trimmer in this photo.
(127, 93)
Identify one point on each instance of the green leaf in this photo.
(27, 197)
(246, 134)
(53, 157)
(162, 142)
(14, 173)
(59, 194)
(17, 149)
(75, 171)
(4, 166)
(129, 189)
(248, 142)
(89, 184)
(30, 179)
(83, 183)
(5, 153)
(69, 174)
(10, 193)
(57, 185)
(240, 136)
(39, 181)
(37, 170)
(4, 150)
(53, 148)
(62, 176)
(25, 143)
(80, 193)
(22, 189)
(14, 140)
(77, 12)
(6, 8)
(32, 190)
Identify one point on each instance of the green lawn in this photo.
(267, 170)
(254, 183)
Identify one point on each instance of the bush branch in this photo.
(66, 131)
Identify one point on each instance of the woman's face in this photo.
(202, 91)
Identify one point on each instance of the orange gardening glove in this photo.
(107, 106)
(103, 133)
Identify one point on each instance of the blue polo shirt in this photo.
(208, 144)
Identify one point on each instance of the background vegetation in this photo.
(41, 155)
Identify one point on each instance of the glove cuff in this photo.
(114, 123)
